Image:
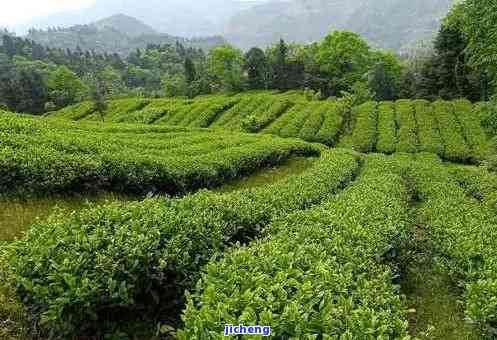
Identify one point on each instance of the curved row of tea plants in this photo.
(408, 130)
(45, 156)
(451, 129)
(428, 129)
(317, 274)
(364, 134)
(463, 232)
(387, 128)
(133, 258)
(475, 136)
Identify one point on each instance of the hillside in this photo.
(118, 34)
(386, 23)
(175, 17)
(392, 24)
(125, 24)
(387, 218)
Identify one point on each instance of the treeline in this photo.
(37, 79)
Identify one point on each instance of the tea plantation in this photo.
(448, 129)
(317, 255)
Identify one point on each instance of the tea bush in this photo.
(317, 274)
(46, 156)
(73, 272)
(408, 130)
(387, 128)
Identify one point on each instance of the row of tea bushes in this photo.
(364, 134)
(46, 156)
(73, 272)
(408, 130)
(428, 129)
(317, 274)
(387, 128)
(463, 232)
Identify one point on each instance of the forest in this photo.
(324, 190)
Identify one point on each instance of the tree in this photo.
(256, 68)
(9, 46)
(226, 66)
(174, 86)
(455, 78)
(384, 76)
(279, 67)
(110, 82)
(25, 91)
(190, 72)
(478, 20)
(65, 86)
(345, 58)
(98, 97)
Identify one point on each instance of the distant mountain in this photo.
(125, 24)
(176, 17)
(394, 24)
(116, 34)
(391, 24)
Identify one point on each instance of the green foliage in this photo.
(463, 232)
(448, 129)
(317, 272)
(345, 58)
(384, 76)
(363, 137)
(73, 272)
(257, 69)
(56, 156)
(65, 87)
(429, 136)
(331, 128)
(455, 146)
(408, 129)
(477, 19)
(387, 128)
(226, 64)
(472, 131)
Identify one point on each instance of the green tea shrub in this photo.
(363, 137)
(455, 147)
(472, 130)
(387, 128)
(63, 157)
(317, 273)
(331, 128)
(72, 273)
(428, 129)
(463, 232)
(407, 134)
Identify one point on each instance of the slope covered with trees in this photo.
(116, 34)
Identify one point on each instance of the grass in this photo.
(293, 166)
(17, 214)
(437, 312)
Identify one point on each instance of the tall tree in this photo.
(9, 45)
(478, 20)
(225, 65)
(384, 76)
(190, 72)
(279, 66)
(345, 58)
(256, 67)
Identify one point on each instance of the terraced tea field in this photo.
(448, 129)
(389, 235)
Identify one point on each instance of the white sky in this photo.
(18, 11)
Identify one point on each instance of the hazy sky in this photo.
(18, 11)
